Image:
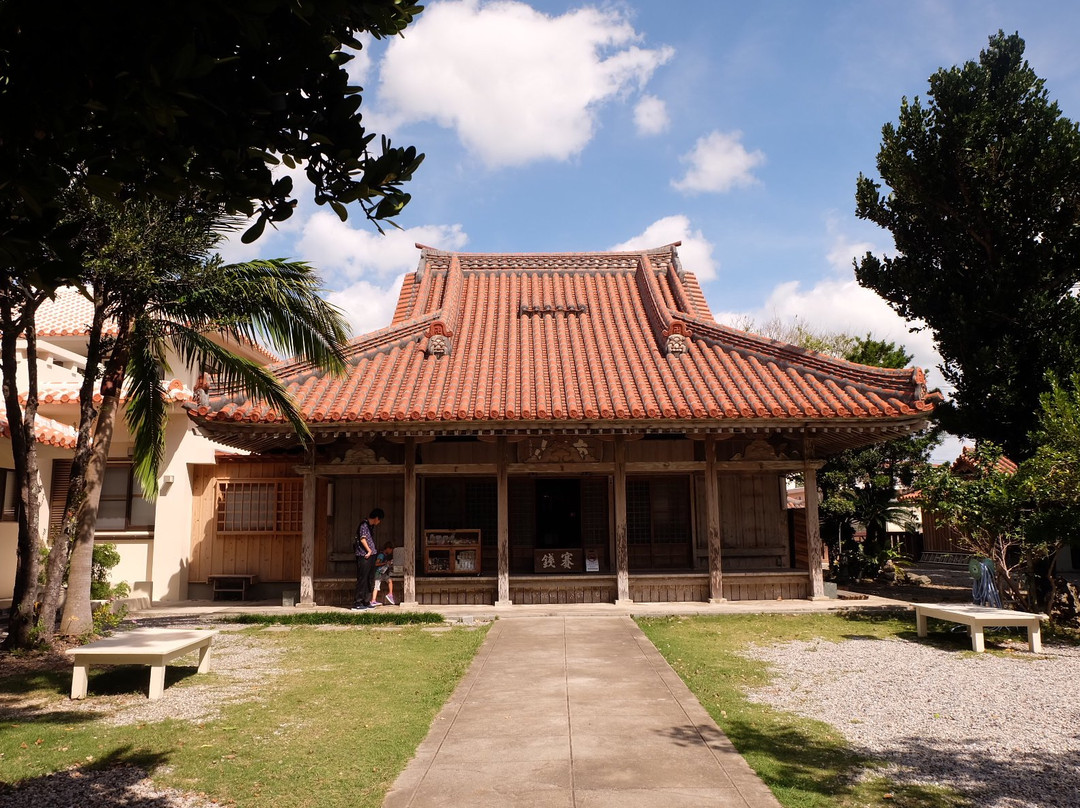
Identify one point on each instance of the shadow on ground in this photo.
(110, 782)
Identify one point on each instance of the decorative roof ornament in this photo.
(438, 343)
(677, 338)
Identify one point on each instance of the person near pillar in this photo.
(383, 562)
(364, 547)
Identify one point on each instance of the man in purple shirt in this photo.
(364, 546)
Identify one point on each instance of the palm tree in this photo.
(156, 278)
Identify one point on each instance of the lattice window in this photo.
(594, 511)
(638, 512)
(265, 506)
(671, 510)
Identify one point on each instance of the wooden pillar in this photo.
(622, 554)
(307, 541)
(712, 523)
(813, 533)
(503, 598)
(409, 526)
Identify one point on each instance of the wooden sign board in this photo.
(565, 561)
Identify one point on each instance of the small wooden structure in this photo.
(585, 405)
(229, 584)
(155, 647)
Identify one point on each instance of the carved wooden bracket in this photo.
(560, 450)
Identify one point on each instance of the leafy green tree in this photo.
(190, 96)
(169, 99)
(1050, 484)
(985, 508)
(878, 353)
(861, 485)
(983, 184)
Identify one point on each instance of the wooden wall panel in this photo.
(659, 451)
(273, 557)
(753, 521)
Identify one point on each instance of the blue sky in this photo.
(737, 128)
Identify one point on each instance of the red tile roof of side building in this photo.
(571, 337)
(46, 431)
(70, 313)
(966, 463)
(68, 393)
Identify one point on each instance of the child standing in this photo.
(383, 562)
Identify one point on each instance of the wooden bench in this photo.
(977, 618)
(231, 583)
(155, 647)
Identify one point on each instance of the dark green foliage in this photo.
(984, 210)
(879, 353)
(186, 96)
(860, 485)
(369, 617)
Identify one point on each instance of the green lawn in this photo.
(334, 729)
(806, 763)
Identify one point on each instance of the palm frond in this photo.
(273, 300)
(147, 412)
(237, 375)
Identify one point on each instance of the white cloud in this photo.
(343, 251)
(719, 162)
(368, 306)
(695, 251)
(844, 252)
(650, 116)
(516, 84)
(359, 67)
(841, 305)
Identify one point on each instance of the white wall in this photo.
(9, 531)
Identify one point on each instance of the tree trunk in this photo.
(77, 618)
(27, 479)
(61, 545)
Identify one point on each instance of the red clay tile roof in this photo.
(68, 393)
(70, 314)
(966, 463)
(480, 340)
(46, 431)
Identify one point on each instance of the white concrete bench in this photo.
(977, 618)
(155, 647)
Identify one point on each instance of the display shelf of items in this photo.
(452, 552)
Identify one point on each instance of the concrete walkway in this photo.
(576, 711)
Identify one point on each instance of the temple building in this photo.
(544, 428)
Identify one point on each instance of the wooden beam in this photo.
(792, 466)
(458, 468)
(503, 506)
(409, 526)
(573, 469)
(355, 469)
(712, 521)
(813, 533)
(654, 466)
(307, 541)
(622, 554)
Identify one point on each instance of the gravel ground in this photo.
(1004, 731)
